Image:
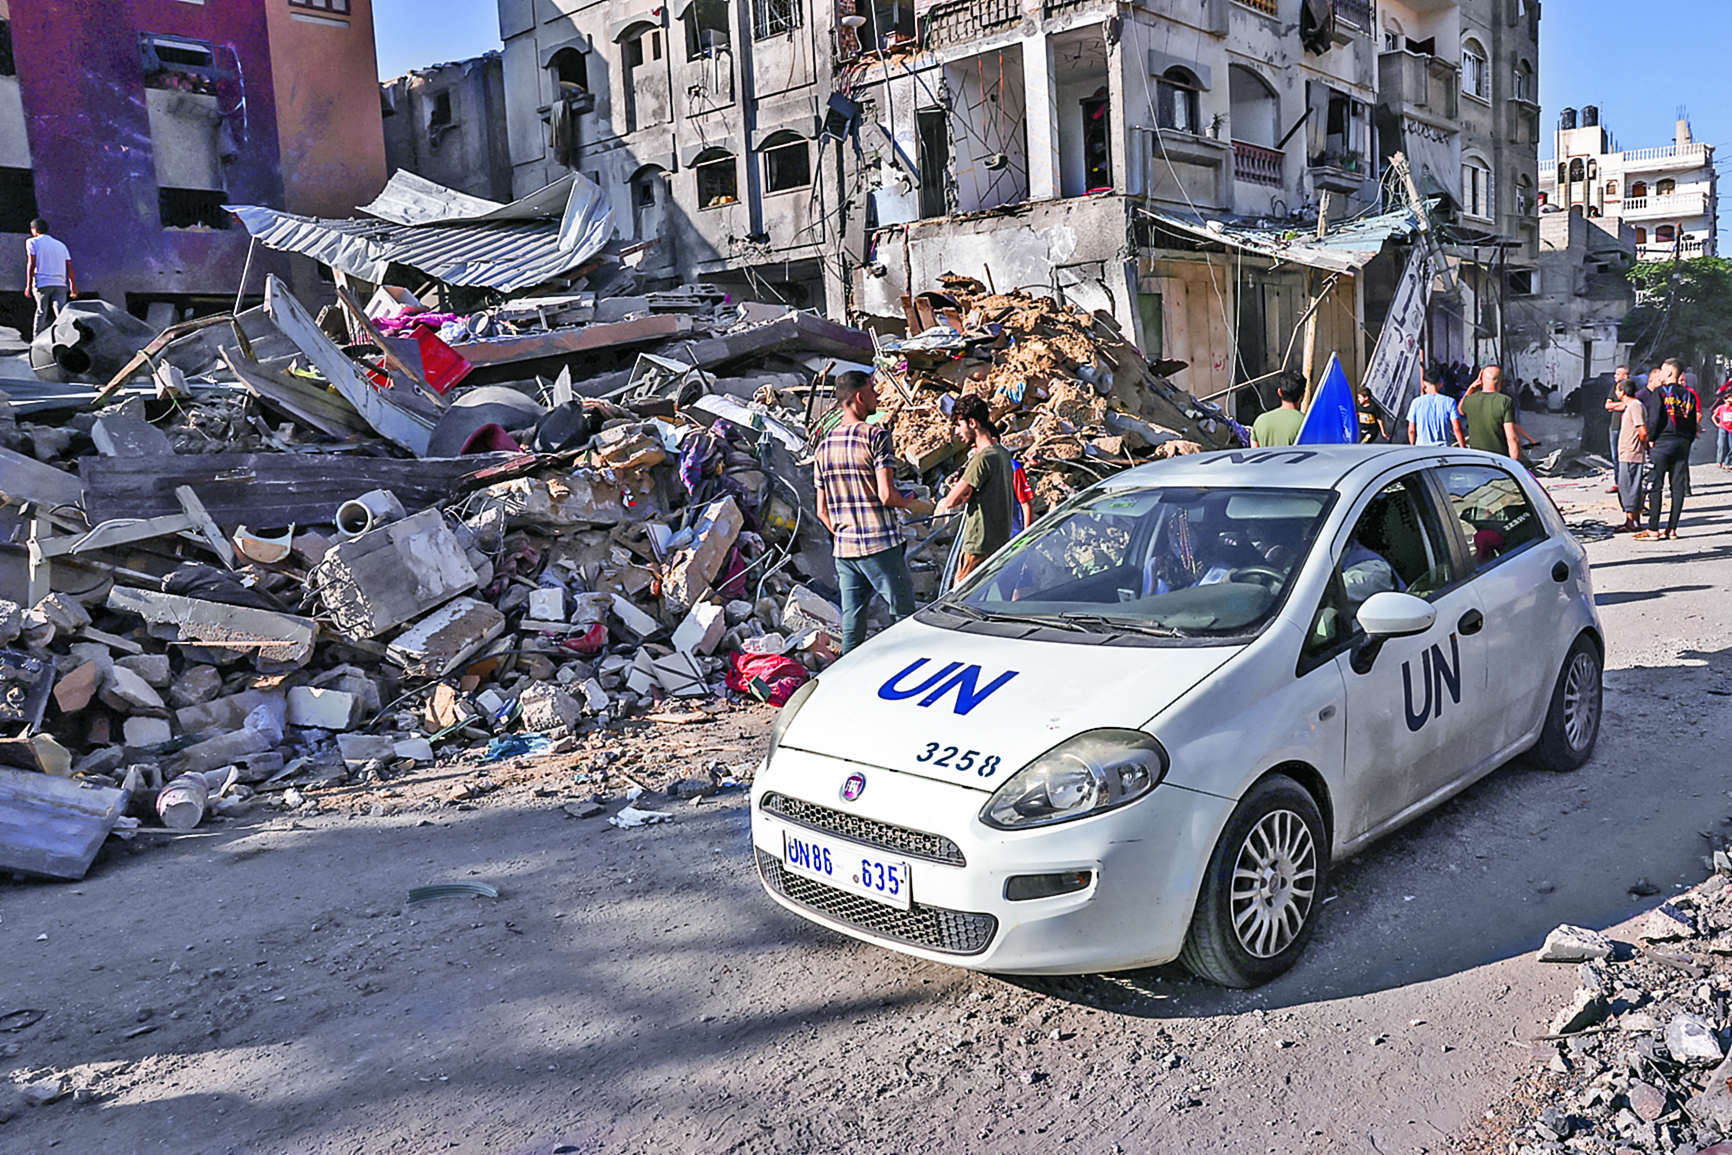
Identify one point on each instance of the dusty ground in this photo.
(260, 986)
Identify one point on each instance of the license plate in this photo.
(846, 866)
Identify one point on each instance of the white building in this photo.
(1669, 195)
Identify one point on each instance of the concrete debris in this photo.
(1574, 944)
(631, 816)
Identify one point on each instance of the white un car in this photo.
(1144, 729)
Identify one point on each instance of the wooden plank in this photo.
(391, 414)
(54, 826)
(265, 490)
(201, 521)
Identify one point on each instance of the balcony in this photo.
(1663, 252)
(1355, 13)
(1671, 156)
(1254, 164)
(1342, 172)
(1409, 81)
(1266, 7)
(1684, 204)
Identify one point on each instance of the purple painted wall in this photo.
(83, 87)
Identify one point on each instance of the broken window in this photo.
(775, 18)
(192, 208)
(17, 200)
(1096, 142)
(646, 199)
(706, 24)
(335, 7)
(7, 66)
(934, 132)
(718, 178)
(178, 62)
(570, 69)
(1522, 283)
(787, 163)
(634, 53)
(1524, 81)
(440, 117)
(1665, 188)
(1177, 104)
(1339, 131)
(1475, 74)
(1476, 189)
(887, 24)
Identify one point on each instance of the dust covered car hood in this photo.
(973, 709)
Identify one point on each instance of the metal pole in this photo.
(246, 271)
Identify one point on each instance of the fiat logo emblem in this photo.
(853, 787)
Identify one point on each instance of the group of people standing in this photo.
(1485, 418)
(1657, 418)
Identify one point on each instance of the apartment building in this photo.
(130, 123)
(447, 123)
(1146, 160)
(1669, 195)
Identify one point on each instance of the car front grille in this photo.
(932, 927)
(913, 843)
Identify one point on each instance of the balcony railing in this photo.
(1267, 7)
(1686, 204)
(1355, 12)
(1695, 153)
(1663, 250)
(1254, 164)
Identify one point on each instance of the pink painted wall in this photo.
(325, 74)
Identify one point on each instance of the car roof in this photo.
(1289, 467)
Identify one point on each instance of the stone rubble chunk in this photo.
(153, 668)
(1667, 922)
(75, 689)
(124, 690)
(11, 621)
(1585, 1010)
(1574, 944)
(1647, 1101)
(63, 613)
(197, 684)
(142, 732)
(322, 709)
(1690, 1039)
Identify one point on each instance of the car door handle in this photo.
(1561, 572)
(1470, 623)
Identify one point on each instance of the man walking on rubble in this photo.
(986, 487)
(856, 496)
(48, 276)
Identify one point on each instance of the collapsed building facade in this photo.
(847, 155)
(129, 126)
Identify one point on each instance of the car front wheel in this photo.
(1573, 719)
(1262, 888)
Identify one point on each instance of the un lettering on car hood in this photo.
(973, 710)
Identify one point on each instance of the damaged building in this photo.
(447, 123)
(131, 127)
(851, 153)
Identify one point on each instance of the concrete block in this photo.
(11, 621)
(415, 749)
(143, 733)
(228, 713)
(547, 605)
(547, 707)
(223, 750)
(701, 630)
(634, 619)
(124, 435)
(196, 684)
(435, 645)
(321, 709)
(153, 668)
(692, 570)
(126, 691)
(360, 749)
(64, 613)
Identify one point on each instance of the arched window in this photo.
(1665, 188)
(569, 69)
(1638, 189)
(1593, 170)
(1177, 104)
(1394, 36)
(1577, 171)
(1666, 234)
(706, 24)
(1475, 75)
(1524, 80)
(718, 178)
(787, 162)
(1255, 110)
(1641, 235)
(1524, 195)
(649, 191)
(1611, 190)
(1563, 173)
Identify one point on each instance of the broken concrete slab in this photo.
(392, 574)
(53, 826)
(414, 749)
(701, 630)
(197, 683)
(692, 570)
(227, 713)
(360, 749)
(126, 435)
(1574, 944)
(54, 758)
(1690, 1039)
(680, 675)
(222, 750)
(547, 605)
(124, 690)
(143, 733)
(634, 619)
(549, 708)
(441, 641)
(322, 709)
(281, 638)
(63, 613)
(582, 497)
(75, 689)
(153, 668)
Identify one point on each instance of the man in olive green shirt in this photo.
(1490, 415)
(986, 486)
(1281, 426)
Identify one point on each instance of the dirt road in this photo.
(263, 988)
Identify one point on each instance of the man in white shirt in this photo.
(47, 274)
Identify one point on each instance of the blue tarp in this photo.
(1332, 418)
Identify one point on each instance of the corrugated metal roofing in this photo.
(449, 235)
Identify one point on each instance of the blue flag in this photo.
(1332, 419)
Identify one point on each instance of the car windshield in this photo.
(1189, 562)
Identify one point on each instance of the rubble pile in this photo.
(1638, 1061)
(278, 555)
(1075, 400)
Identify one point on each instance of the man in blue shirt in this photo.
(1433, 418)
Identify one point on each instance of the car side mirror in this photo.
(1396, 615)
(1389, 615)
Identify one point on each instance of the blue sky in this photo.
(1638, 60)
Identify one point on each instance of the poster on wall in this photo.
(1393, 375)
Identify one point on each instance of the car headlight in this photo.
(786, 717)
(1085, 775)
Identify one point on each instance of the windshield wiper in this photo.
(1057, 623)
(966, 611)
(1126, 624)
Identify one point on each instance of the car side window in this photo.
(1496, 516)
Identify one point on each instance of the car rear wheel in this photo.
(1262, 888)
(1573, 720)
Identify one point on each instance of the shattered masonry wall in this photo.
(987, 106)
(82, 87)
(469, 154)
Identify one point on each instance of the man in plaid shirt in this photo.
(856, 494)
